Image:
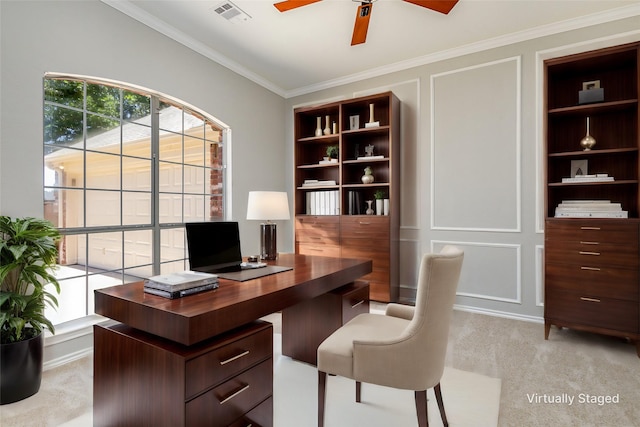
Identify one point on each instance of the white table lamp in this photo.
(268, 206)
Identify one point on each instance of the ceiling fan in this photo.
(364, 12)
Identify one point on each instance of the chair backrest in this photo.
(437, 284)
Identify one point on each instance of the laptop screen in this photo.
(213, 246)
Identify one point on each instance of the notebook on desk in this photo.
(214, 247)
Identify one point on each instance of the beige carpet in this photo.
(470, 399)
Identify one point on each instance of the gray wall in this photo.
(91, 38)
(472, 170)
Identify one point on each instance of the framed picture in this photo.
(579, 167)
(354, 122)
(594, 84)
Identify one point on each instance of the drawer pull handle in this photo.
(589, 299)
(589, 243)
(589, 228)
(589, 253)
(364, 223)
(357, 304)
(224, 362)
(234, 394)
(590, 268)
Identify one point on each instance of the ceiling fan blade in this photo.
(285, 5)
(362, 23)
(442, 6)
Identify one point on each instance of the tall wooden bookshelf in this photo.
(331, 217)
(592, 279)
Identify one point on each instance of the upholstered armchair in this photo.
(405, 348)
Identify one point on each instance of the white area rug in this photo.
(470, 399)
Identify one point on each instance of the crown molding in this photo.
(162, 27)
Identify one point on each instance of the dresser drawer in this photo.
(592, 254)
(224, 362)
(379, 254)
(584, 309)
(604, 282)
(230, 400)
(373, 227)
(594, 230)
(318, 249)
(322, 225)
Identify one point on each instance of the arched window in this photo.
(124, 169)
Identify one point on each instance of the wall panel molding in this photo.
(475, 145)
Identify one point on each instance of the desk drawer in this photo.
(224, 362)
(355, 299)
(260, 416)
(230, 400)
(585, 309)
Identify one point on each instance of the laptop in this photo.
(214, 247)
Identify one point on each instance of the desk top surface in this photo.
(194, 318)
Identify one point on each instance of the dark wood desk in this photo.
(189, 361)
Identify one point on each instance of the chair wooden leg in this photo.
(322, 391)
(358, 391)
(443, 415)
(421, 408)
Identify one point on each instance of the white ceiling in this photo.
(308, 48)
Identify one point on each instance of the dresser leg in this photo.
(638, 347)
(547, 328)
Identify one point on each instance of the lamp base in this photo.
(268, 240)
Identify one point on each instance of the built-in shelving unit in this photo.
(592, 279)
(330, 196)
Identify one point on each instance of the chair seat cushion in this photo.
(335, 354)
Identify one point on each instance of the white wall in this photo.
(471, 169)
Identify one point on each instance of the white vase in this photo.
(385, 208)
(369, 211)
(319, 126)
(327, 129)
(378, 206)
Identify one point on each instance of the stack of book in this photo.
(178, 285)
(599, 177)
(590, 209)
(318, 183)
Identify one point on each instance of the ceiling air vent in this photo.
(231, 12)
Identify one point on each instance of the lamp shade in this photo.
(268, 205)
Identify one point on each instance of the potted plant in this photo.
(379, 196)
(332, 153)
(28, 255)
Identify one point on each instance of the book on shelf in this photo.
(355, 203)
(598, 177)
(318, 183)
(322, 202)
(181, 280)
(179, 293)
(590, 209)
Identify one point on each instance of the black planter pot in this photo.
(21, 369)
